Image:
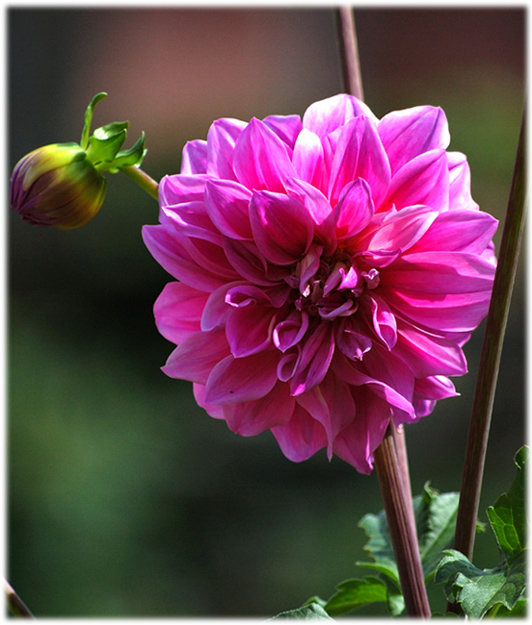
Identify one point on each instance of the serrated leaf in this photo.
(480, 590)
(355, 593)
(508, 515)
(308, 612)
(435, 523)
(379, 545)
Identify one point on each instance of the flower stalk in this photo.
(390, 457)
(479, 426)
(142, 179)
(390, 464)
(16, 606)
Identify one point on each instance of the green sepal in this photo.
(105, 143)
(88, 118)
(132, 157)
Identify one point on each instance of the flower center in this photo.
(330, 287)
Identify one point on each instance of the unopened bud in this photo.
(57, 185)
(62, 184)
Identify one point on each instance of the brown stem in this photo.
(16, 606)
(348, 46)
(491, 355)
(397, 500)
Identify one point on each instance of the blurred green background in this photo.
(124, 498)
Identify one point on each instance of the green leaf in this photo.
(500, 590)
(308, 612)
(88, 118)
(435, 523)
(508, 516)
(480, 590)
(354, 593)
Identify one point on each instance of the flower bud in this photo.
(57, 185)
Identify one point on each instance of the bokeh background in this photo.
(124, 498)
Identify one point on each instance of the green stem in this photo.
(491, 354)
(144, 181)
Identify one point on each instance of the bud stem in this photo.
(145, 182)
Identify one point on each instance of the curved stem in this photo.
(142, 179)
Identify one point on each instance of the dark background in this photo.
(124, 498)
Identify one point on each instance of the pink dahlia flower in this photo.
(329, 270)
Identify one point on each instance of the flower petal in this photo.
(227, 204)
(181, 188)
(282, 227)
(460, 182)
(354, 209)
(254, 417)
(249, 329)
(261, 159)
(178, 311)
(286, 127)
(221, 140)
(242, 379)
(194, 158)
(402, 229)
(423, 180)
(357, 442)
(359, 154)
(301, 437)
(308, 158)
(408, 133)
(196, 356)
(316, 356)
(291, 330)
(327, 115)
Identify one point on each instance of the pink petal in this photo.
(359, 154)
(316, 356)
(380, 318)
(427, 354)
(423, 180)
(194, 159)
(286, 127)
(437, 274)
(291, 330)
(411, 132)
(191, 220)
(261, 159)
(351, 340)
(221, 140)
(249, 329)
(357, 442)
(429, 390)
(216, 308)
(332, 405)
(458, 231)
(282, 227)
(181, 188)
(254, 417)
(178, 311)
(327, 115)
(169, 250)
(227, 204)
(308, 158)
(460, 182)
(354, 209)
(250, 264)
(216, 412)
(402, 229)
(196, 356)
(301, 437)
(242, 379)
